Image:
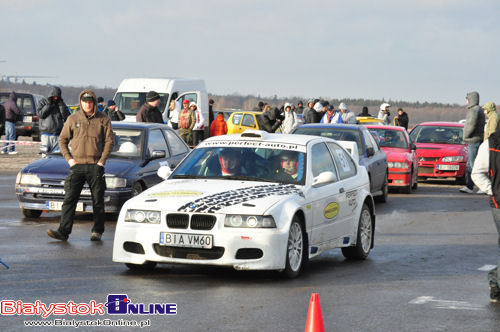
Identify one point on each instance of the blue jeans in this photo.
(10, 135)
(471, 156)
(494, 275)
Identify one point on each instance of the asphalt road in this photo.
(424, 274)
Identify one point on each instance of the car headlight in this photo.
(113, 182)
(143, 216)
(248, 221)
(452, 159)
(28, 179)
(398, 165)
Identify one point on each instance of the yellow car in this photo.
(366, 120)
(240, 121)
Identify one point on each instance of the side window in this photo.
(343, 160)
(177, 145)
(189, 96)
(369, 140)
(28, 104)
(156, 141)
(237, 118)
(248, 121)
(321, 160)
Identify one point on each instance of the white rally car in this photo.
(253, 201)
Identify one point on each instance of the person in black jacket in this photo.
(270, 120)
(12, 113)
(149, 112)
(401, 119)
(52, 113)
(113, 112)
(364, 112)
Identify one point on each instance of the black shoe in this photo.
(494, 294)
(56, 235)
(95, 236)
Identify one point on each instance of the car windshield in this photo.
(130, 102)
(248, 164)
(390, 138)
(128, 144)
(437, 134)
(339, 134)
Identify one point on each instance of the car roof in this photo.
(256, 135)
(385, 127)
(332, 125)
(441, 123)
(137, 125)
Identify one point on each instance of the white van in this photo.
(131, 94)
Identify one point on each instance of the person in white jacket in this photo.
(384, 113)
(172, 117)
(347, 115)
(486, 175)
(290, 123)
(199, 125)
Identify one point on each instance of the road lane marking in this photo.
(445, 304)
(487, 268)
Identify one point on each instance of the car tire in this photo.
(148, 266)
(137, 188)
(364, 237)
(28, 213)
(385, 191)
(296, 250)
(409, 187)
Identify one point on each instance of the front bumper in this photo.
(37, 198)
(429, 169)
(399, 178)
(241, 248)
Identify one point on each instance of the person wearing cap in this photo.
(347, 115)
(113, 112)
(331, 116)
(290, 122)
(186, 122)
(198, 131)
(149, 112)
(490, 111)
(52, 113)
(384, 113)
(401, 119)
(91, 137)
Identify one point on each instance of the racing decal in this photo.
(331, 210)
(351, 198)
(215, 202)
(176, 193)
(254, 144)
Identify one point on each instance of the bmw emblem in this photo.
(192, 205)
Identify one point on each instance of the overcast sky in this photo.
(427, 50)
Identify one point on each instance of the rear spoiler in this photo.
(352, 148)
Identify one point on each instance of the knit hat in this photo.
(490, 107)
(111, 102)
(152, 96)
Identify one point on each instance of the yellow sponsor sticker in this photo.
(331, 210)
(177, 193)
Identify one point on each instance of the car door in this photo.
(154, 142)
(376, 163)
(248, 122)
(178, 148)
(327, 201)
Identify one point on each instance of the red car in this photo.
(401, 156)
(440, 149)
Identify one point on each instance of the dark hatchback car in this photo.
(27, 125)
(140, 149)
(370, 154)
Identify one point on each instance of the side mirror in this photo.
(323, 178)
(158, 154)
(413, 146)
(164, 172)
(370, 151)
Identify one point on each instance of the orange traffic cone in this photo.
(314, 318)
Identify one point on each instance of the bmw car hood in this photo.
(214, 196)
(57, 167)
(440, 150)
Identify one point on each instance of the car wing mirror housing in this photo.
(323, 178)
(164, 172)
(158, 154)
(370, 151)
(413, 146)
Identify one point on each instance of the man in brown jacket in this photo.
(186, 123)
(91, 138)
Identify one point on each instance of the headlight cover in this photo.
(452, 159)
(398, 165)
(249, 221)
(113, 182)
(28, 179)
(143, 216)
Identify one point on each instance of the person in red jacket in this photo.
(219, 126)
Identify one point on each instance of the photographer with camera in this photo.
(271, 119)
(52, 113)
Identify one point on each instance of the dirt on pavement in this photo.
(25, 154)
